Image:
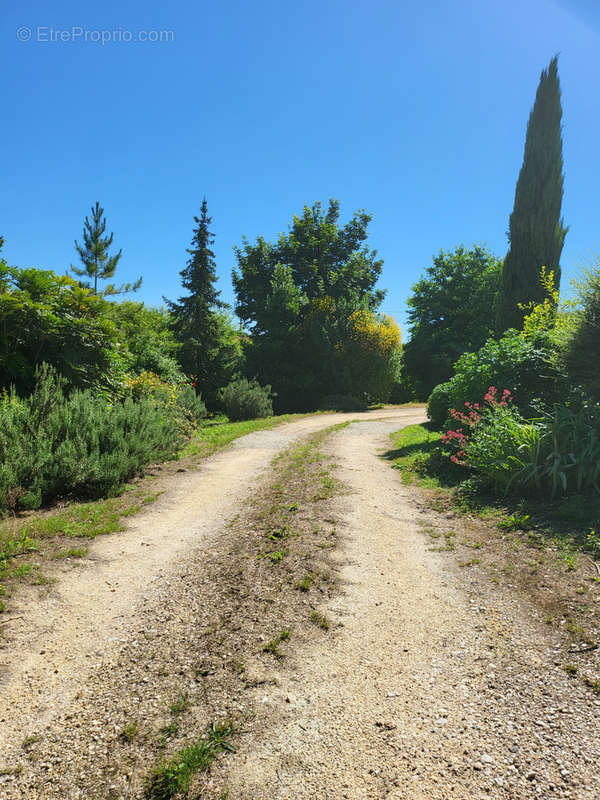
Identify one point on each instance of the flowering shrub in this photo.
(558, 452)
(469, 419)
(514, 361)
(178, 400)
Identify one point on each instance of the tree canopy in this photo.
(316, 258)
(309, 300)
(209, 349)
(536, 228)
(94, 255)
(450, 313)
(49, 318)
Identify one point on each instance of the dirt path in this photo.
(54, 644)
(437, 684)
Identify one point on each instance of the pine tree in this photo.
(195, 319)
(536, 231)
(97, 263)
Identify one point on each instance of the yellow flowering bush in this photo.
(177, 399)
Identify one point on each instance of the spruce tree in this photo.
(536, 231)
(195, 320)
(97, 263)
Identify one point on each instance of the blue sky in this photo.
(415, 111)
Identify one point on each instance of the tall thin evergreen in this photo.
(536, 230)
(97, 263)
(194, 318)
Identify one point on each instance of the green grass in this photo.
(25, 542)
(304, 584)
(216, 434)
(566, 525)
(411, 448)
(72, 552)
(180, 704)
(174, 775)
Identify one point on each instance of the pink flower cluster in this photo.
(469, 419)
(491, 398)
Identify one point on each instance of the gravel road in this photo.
(436, 683)
(439, 684)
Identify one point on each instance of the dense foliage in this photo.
(542, 434)
(515, 362)
(536, 229)
(49, 318)
(450, 313)
(147, 341)
(57, 444)
(555, 453)
(582, 335)
(209, 350)
(310, 301)
(244, 399)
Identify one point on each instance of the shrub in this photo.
(515, 362)
(49, 318)
(558, 452)
(57, 445)
(244, 399)
(178, 400)
(583, 341)
(438, 405)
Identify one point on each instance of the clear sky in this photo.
(414, 111)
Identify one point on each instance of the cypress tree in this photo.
(536, 231)
(195, 321)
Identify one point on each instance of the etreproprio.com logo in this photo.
(77, 33)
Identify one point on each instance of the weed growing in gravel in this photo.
(175, 775)
(72, 552)
(129, 732)
(470, 563)
(516, 522)
(29, 741)
(181, 703)
(273, 645)
(320, 620)
(168, 732)
(304, 583)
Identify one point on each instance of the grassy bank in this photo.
(421, 458)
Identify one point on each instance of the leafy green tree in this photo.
(206, 346)
(317, 258)
(147, 339)
(94, 255)
(298, 297)
(450, 313)
(49, 318)
(536, 230)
